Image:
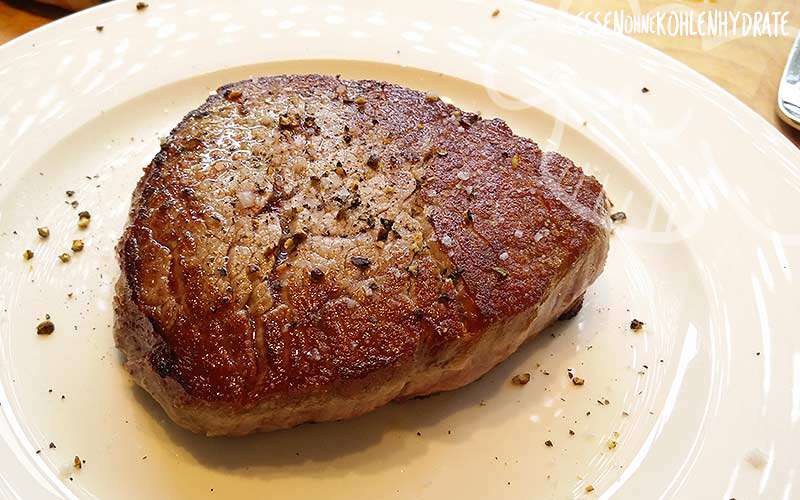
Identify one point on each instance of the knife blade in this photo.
(789, 90)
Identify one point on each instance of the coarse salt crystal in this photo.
(246, 198)
(447, 240)
(463, 175)
(518, 233)
(504, 256)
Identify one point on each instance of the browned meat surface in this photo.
(305, 248)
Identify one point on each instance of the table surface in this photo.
(750, 68)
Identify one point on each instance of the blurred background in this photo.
(748, 67)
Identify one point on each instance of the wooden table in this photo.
(749, 68)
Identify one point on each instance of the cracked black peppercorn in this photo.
(360, 262)
(618, 216)
(45, 328)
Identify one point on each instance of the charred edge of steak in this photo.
(573, 310)
(162, 359)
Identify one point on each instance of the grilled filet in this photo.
(308, 248)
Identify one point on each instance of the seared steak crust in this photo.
(306, 248)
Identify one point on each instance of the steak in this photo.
(305, 248)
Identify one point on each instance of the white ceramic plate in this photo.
(704, 403)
